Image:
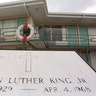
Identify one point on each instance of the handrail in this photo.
(9, 34)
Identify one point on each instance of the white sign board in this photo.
(45, 73)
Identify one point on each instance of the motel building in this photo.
(52, 31)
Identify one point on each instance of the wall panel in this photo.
(92, 36)
(83, 31)
(72, 39)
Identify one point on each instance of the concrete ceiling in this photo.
(37, 9)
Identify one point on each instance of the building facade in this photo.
(53, 31)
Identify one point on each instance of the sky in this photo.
(76, 6)
(79, 6)
(2, 1)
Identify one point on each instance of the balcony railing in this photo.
(9, 34)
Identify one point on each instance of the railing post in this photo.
(0, 35)
(87, 57)
(24, 46)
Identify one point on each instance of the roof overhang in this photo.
(37, 9)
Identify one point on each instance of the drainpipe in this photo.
(78, 41)
(77, 26)
(87, 55)
(26, 9)
(30, 20)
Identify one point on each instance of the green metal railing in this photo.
(9, 34)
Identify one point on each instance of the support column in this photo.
(78, 35)
(87, 55)
(30, 21)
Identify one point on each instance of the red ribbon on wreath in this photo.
(25, 26)
(24, 38)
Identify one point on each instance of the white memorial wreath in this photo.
(20, 37)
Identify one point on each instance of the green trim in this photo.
(72, 40)
(85, 57)
(20, 22)
(83, 36)
(42, 33)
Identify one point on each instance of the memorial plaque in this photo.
(45, 73)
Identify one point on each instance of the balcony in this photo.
(43, 40)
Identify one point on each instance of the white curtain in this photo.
(92, 35)
(1, 32)
(1, 24)
(9, 27)
(64, 34)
